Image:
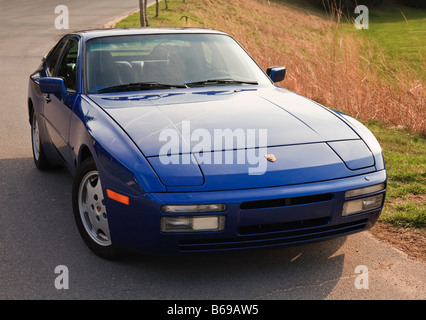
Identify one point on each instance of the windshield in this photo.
(144, 62)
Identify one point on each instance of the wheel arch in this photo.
(30, 109)
(84, 154)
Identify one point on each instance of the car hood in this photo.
(221, 133)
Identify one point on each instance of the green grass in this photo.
(398, 34)
(405, 157)
(401, 33)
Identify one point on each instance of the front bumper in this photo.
(307, 213)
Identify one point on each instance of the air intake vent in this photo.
(283, 202)
(276, 227)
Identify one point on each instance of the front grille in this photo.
(273, 239)
(283, 202)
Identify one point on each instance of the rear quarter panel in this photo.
(36, 106)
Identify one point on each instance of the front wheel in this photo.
(90, 211)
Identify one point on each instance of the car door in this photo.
(57, 112)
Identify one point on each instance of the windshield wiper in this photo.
(140, 86)
(219, 81)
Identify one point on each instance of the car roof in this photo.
(99, 33)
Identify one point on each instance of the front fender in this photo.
(120, 163)
(366, 135)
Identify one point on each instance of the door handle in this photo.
(47, 98)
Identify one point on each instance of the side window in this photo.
(67, 66)
(53, 58)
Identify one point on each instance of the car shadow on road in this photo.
(39, 233)
(35, 204)
(308, 271)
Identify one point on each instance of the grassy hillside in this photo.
(398, 31)
(401, 34)
(339, 67)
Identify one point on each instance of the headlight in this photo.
(193, 208)
(363, 204)
(193, 224)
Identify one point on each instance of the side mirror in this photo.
(55, 86)
(276, 74)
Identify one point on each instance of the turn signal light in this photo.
(118, 197)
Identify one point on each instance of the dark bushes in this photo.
(413, 3)
(347, 4)
(351, 4)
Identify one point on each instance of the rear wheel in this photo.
(39, 156)
(90, 211)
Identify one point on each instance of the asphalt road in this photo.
(37, 230)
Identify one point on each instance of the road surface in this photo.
(38, 234)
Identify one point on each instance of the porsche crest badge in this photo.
(270, 157)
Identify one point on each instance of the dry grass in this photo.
(334, 67)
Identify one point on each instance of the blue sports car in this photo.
(178, 142)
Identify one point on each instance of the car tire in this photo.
(90, 211)
(40, 159)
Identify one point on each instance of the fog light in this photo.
(361, 205)
(193, 224)
(192, 208)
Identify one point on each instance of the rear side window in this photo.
(53, 58)
(67, 66)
